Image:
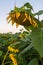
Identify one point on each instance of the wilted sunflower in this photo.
(21, 18)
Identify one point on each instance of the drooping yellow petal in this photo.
(17, 15)
(13, 21)
(30, 19)
(8, 17)
(14, 15)
(12, 49)
(35, 24)
(26, 15)
(13, 59)
(24, 20)
(9, 20)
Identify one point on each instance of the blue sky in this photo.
(7, 5)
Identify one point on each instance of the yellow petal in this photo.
(26, 15)
(12, 49)
(24, 20)
(34, 23)
(13, 21)
(30, 19)
(9, 20)
(17, 14)
(13, 59)
(8, 17)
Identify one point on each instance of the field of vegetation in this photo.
(17, 49)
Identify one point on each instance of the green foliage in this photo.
(28, 5)
(37, 40)
(1, 53)
(21, 41)
(34, 62)
(39, 12)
